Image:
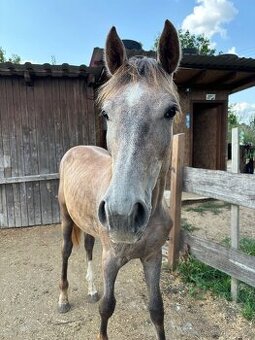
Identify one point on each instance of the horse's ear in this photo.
(169, 53)
(115, 53)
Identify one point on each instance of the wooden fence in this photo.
(237, 189)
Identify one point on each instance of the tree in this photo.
(14, 58)
(233, 121)
(248, 132)
(188, 40)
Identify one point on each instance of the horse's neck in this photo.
(158, 192)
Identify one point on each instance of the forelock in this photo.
(137, 69)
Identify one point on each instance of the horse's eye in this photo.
(170, 113)
(105, 115)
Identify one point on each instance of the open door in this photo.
(209, 136)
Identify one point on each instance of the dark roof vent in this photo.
(132, 44)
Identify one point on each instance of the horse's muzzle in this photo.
(124, 227)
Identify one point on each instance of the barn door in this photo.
(208, 136)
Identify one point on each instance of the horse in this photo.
(117, 194)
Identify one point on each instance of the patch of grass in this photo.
(202, 278)
(187, 226)
(247, 245)
(247, 298)
(215, 207)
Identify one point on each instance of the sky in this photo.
(67, 31)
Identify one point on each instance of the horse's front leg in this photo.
(111, 266)
(152, 268)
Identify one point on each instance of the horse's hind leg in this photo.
(152, 268)
(67, 246)
(92, 292)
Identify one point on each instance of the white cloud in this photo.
(23, 61)
(209, 17)
(245, 111)
(232, 50)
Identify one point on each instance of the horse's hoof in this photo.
(93, 298)
(64, 307)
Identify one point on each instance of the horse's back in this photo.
(85, 173)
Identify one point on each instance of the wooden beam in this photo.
(250, 78)
(224, 79)
(196, 78)
(232, 188)
(175, 198)
(229, 261)
(235, 232)
(33, 178)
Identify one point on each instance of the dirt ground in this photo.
(30, 268)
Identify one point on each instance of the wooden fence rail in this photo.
(230, 261)
(234, 188)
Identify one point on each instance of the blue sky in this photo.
(69, 30)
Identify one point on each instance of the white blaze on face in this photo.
(134, 94)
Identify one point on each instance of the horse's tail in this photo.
(76, 235)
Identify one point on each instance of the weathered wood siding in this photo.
(38, 124)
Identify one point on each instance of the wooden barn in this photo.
(46, 109)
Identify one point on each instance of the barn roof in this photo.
(29, 71)
(223, 72)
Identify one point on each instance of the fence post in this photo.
(235, 168)
(175, 198)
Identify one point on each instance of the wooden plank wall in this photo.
(38, 124)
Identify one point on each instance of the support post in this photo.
(175, 198)
(235, 168)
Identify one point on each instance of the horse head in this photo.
(138, 102)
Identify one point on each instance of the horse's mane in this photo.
(138, 68)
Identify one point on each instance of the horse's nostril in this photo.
(139, 215)
(102, 212)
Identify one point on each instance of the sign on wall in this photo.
(210, 96)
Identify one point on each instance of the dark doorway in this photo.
(209, 136)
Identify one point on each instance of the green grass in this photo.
(247, 245)
(215, 207)
(187, 226)
(202, 278)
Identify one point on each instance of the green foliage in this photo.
(202, 278)
(247, 245)
(233, 121)
(14, 58)
(188, 40)
(248, 132)
(210, 206)
(187, 226)
(2, 53)
(200, 42)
